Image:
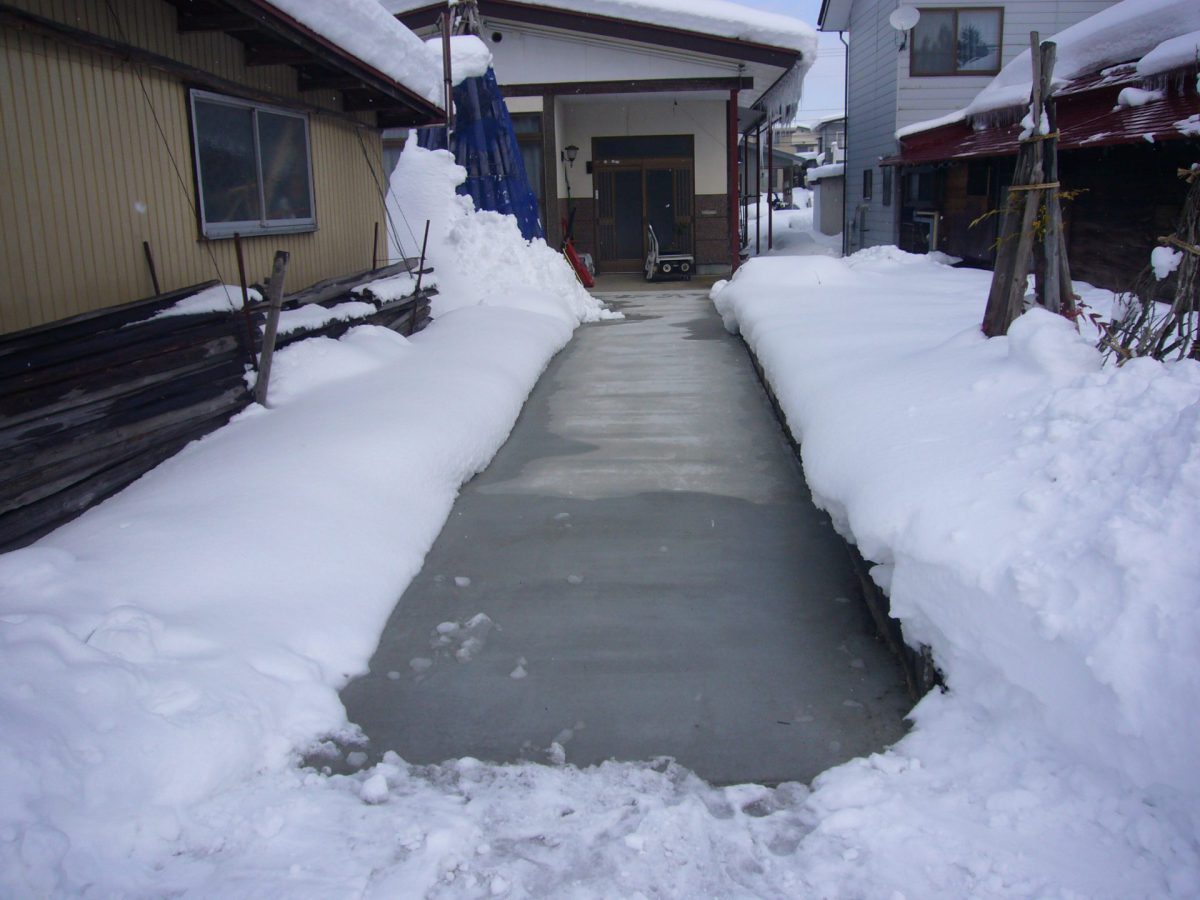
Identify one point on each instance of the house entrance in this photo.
(641, 182)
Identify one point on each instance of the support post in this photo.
(275, 302)
(731, 155)
(375, 248)
(757, 190)
(770, 185)
(553, 223)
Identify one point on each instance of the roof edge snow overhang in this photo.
(272, 36)
(624, 29)
(1089, 116)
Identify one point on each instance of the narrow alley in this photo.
(639, 573)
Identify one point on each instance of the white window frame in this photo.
(263, 225)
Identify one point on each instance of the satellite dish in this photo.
(904, 18)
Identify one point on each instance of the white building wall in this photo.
(870, 122)
(921, 99)
(524, 56)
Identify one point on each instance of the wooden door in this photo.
(631, 195)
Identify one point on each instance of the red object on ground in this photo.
(585, 276)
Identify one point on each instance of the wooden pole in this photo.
(153, 271)
(1007, 294)
(421, 264)
(1033, 198)
(275, 301)
(375, 248)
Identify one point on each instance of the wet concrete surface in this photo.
(652, 576)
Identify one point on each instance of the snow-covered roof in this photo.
(1159, 35)
(718, 18)
(833, 170)
(365, 30)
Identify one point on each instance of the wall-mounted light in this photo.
(569, 153)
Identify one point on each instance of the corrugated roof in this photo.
(1088, 116)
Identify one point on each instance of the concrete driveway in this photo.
(641, 572)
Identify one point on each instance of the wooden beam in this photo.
(271, 54)
(633, 86)
(190, 21)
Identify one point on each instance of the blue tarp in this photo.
(483, 142)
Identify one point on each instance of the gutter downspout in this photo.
(846, 152)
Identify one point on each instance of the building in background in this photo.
(630, 115)
(141, 135)
(898, 76)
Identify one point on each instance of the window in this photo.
(887, 185)
(949, 41)
(868, 183)
(253, 167)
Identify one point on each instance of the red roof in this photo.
(1088, 116)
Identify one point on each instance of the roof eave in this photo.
(834, 15)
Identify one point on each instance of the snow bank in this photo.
(480, 257)
(1033, 517)
(187, 637)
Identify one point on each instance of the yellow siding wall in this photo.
(82, 157)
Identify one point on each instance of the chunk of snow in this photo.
(313, 315)
(469, 56)
(1164, 261)
(218, 298)
(832, 170)
(1132, 97)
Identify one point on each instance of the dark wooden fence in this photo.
(89, 404)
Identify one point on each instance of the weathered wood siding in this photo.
(88, 176)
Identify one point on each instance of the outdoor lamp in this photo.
(569, 153)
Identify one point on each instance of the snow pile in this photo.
(364, 29)
(480, 257)
(313, 316)
(1033, 516)
(1164, 261)
(1131, 98)
(187, 637)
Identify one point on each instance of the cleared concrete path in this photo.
(655, 579)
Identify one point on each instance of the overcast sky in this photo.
(823, 87)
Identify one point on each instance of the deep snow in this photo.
(166, 659)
